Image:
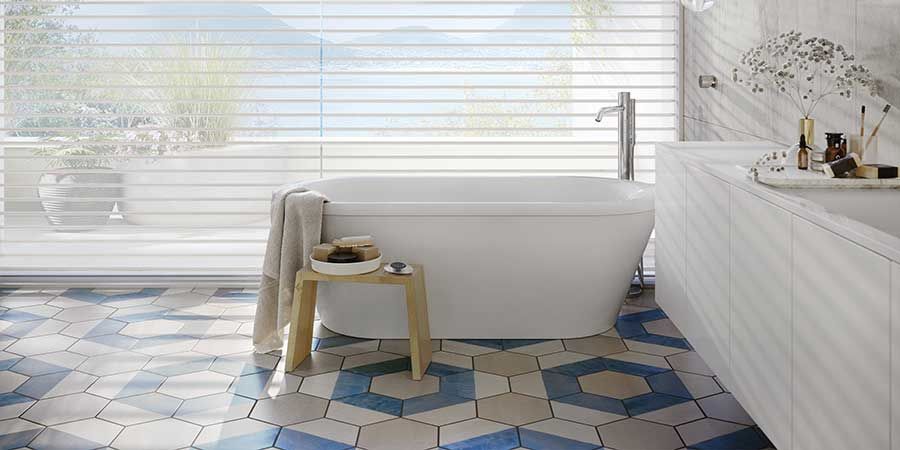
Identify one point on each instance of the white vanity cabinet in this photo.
(761, 312)
(794, 316)
(707, 238)
(841, 342)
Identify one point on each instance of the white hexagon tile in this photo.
(159, 369)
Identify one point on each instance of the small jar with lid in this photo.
(837, 147)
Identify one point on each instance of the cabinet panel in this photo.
(761, 312)
(841, 362)
(895, 359)
(669, 244)
(707, 261)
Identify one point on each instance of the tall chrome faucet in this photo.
(625, 110)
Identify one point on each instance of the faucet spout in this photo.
(608, 111)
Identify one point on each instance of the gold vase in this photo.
(808, 129)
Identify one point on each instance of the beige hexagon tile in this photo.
(580, 414)
(614, 384)
(224, 345)
(367, 358)
(569, 430)
(113, 363)
(514, 409)
(469, 429)
(690, 362)
(506, 364)
(181, 300)
(541, 348)
(166, 433)
(401, 385)
(488, 384)
(635, 434)
(725, 407)
(67, 408)
(452, 359)
(9, 381)
(446, 415)
(196, 384)
(663, 327)
(357, 348)
(560, 359)
(699, 385)
(674, 415)
(401, 346)
(355, 415)
(317, 363)
(612, 332)
(641, 358)
(595, 345)
(706, 429)
(652, 349)
(41, 344)
(290, 409)
(398, 434)
(328, 429)
(84, 313)
(151, 328)
(529, 384)
(463, 348)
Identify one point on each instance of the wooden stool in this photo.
(303, 313)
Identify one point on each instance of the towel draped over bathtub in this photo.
(296, 216)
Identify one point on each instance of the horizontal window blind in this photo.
(145, 136)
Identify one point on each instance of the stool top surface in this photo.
(375, 277)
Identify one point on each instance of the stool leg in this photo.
(303, 314)
(417, 317)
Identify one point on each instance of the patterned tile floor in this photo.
(173, 368)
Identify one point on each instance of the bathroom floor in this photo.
(173, 368)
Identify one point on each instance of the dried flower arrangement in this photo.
(806, 70)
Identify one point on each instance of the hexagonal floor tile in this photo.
(318, 434)
(560, 359)
(401, 385)
(662, 327)
(224, 345)
(151, 328)
(167, 433)
(9, 381)
(401, 346)
(244, 433)
(67, 408)
(265, 384)
(588, 409)
(83, 434)
(398, 434)
(213, 409)
(634, 434)
(595, 345)
(290, 409)
(13, 404)
(690, 362)
(474, 385)
(126, 384)
(17, 433)
(706, 429)
(179, 363)
(505, 363)
(674, 415)
(544, 384)
(84, 313)
(113, 363)
(41, 344)
(478, 433)
(614, 384)
(514, 409)
(725, 407)
(244, 364)
(335, 384)
(140, 409)
(197, 384)
(356, 415)
(555, 433)
(465, 348)
(318, 362)
(181, 300)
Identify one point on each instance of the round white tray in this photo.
(344, 269)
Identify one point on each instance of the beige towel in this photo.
(296, 215)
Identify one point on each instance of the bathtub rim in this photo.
(640, 201)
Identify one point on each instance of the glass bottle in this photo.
(837, 147)
(803, 154)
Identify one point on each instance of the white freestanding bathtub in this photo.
(505, 257)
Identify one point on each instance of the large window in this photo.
(148, 135)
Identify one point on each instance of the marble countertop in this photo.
(872, 221)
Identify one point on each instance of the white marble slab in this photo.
(793, 178)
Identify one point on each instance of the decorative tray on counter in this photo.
(795, 178)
